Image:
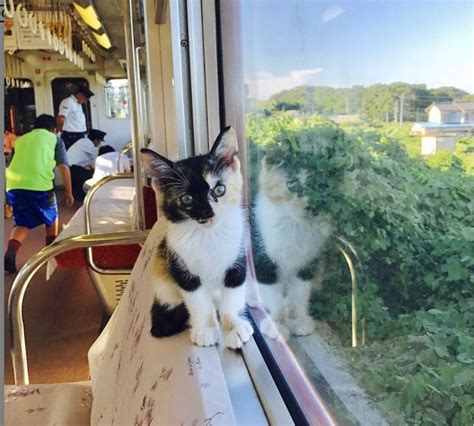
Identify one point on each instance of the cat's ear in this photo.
(225, 147)
(157, 167)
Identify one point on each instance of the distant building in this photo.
(447, 122)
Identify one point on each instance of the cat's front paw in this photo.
(302, 326)
(236, 336)
(205, 336)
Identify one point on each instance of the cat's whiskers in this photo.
(179, 174)
(183, 176)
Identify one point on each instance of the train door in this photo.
(20, 107)
(64, 87)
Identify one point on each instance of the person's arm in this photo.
(63, 111)
(66, 180)
(59, 123)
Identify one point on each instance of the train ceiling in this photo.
(86, 28)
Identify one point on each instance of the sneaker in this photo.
(9, 264)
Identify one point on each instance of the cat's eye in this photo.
(219, 190)
(186, 199)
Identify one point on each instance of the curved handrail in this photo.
(122, 152)
(88, 224)
(352, 259)
(26, 273)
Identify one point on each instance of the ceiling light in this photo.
(89, 15)
(103, 40)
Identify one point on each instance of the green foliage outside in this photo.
(412, 225)
(463, 156)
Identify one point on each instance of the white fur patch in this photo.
(209, 250)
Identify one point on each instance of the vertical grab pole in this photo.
(134, 84)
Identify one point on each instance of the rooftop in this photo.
(463, 106)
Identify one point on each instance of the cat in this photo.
(201, 247)
(292, 239)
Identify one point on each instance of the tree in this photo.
(377, 103)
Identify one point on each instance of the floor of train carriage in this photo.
(62, 316)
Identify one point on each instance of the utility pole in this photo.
(402, 104)
(395, 110)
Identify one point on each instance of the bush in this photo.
(412, 227)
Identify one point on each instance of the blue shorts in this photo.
(33, 208)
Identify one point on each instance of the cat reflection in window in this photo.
(287, 243)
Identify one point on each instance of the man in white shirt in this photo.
(106, 164)
(71, 120)
(82, 156)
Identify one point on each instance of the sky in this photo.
(288, 43)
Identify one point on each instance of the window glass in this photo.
(360, 132)
(117, 98)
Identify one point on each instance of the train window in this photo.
(117, 98)
(360, 132)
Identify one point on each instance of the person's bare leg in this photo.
(19, 233)
(51, 232)
(17, 236)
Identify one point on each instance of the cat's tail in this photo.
(168, 321)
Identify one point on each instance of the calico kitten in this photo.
(201, 247)
(292, 239)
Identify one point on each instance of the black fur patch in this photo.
(188, 179)
(178, 270)
(166, 321)
(235, 275)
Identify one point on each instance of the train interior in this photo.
(356, 244)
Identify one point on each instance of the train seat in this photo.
(138, 379)
(48, 404)
(110, 212)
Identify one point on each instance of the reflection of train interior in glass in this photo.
(236, 212)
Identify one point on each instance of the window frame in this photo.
(305, 404)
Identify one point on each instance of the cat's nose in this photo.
(206, 221)
(207, 216)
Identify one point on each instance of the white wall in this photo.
(432, 144)
(434, 115)
(161, 101)
(428, 145)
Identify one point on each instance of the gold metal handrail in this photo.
(351, 258)
(88, 223)
(26, 273)
(123, 151)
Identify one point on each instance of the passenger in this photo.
(106, 164)
(82, 156)
(29, 181)
(71, 120)
(8, 141)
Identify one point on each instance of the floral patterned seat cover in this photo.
(65, 404)
(136, 379)
(140, 380)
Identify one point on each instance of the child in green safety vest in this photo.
(29, 182)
